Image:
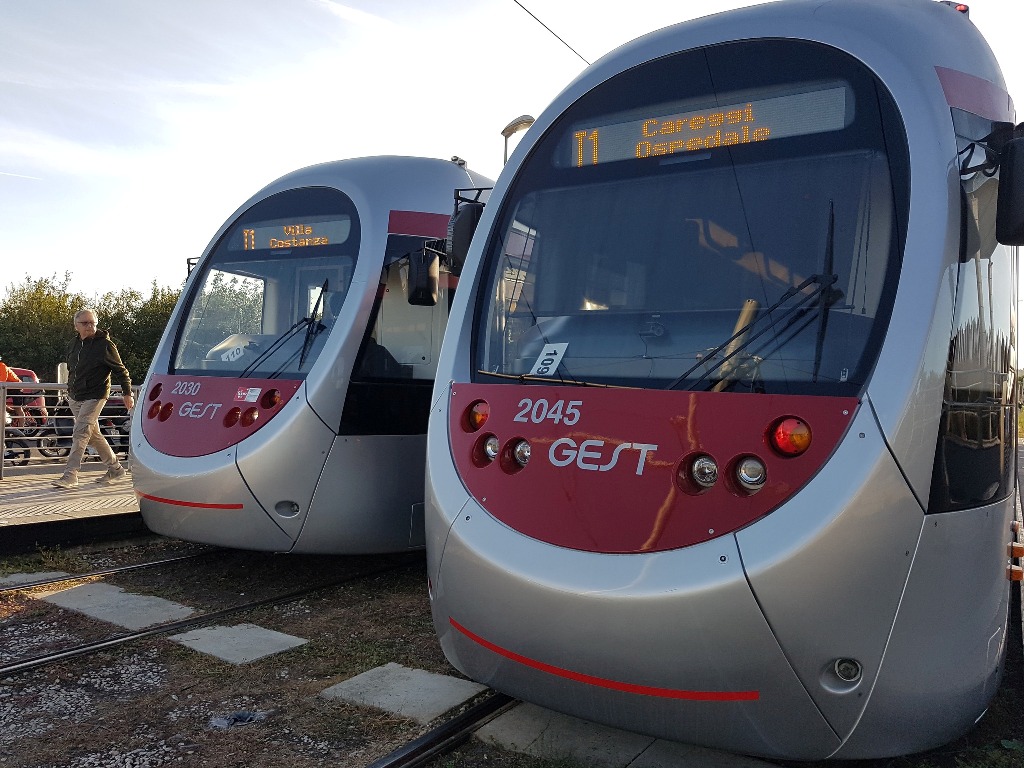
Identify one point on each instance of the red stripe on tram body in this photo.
(615, 685)
(194, 504)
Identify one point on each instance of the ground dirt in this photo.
(153, 702)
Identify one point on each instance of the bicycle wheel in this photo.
(16, 453)
(51, 446)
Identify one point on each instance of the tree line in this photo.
(36, 323)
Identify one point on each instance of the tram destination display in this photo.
(672, 129)
(290, 233)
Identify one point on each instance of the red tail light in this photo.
(476, 415)
(231, 417)
(790, 436)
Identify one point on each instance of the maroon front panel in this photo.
(189, 415)
(973, 94)
(418, 223)
(604, 470)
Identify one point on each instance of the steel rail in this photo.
(446, 736)
(194, 621)
(104, 571)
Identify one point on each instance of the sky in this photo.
(130, 131)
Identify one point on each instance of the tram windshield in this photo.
(727, 218)
(269, 294)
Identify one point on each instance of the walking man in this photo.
(91, 359)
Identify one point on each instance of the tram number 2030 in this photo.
(186, 388)
(537, 411)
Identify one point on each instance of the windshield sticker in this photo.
(549, 359)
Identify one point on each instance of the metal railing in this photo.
(41, 435)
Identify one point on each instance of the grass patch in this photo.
(42, 560)
(1006, 753)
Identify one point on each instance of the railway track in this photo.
(375, 620)
(22, 586)
(448, 735)
(86, 649)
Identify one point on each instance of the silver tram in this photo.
(286, 406)
(722, 446)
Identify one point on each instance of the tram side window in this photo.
(404, 338)
(394, 372)
(977, 433)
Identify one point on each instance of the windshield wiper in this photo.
(274, 346)
(312, 327)
(551, 380)
(743, 338)
(827, 298)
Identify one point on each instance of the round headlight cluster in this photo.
(702, 472)
(488, 448)
(788, 436)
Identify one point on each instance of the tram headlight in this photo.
(165, 411)
(790, 436)
(751, 473)
(249, 417)
(154, 410)
(521, 453)
(704, 471)
(492, 447)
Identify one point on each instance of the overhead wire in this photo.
(549, 29)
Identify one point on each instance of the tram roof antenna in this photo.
(549, 29)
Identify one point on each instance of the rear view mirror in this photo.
(1010, 206)
(461, 227)
(424, 269)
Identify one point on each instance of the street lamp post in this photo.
(521, 123)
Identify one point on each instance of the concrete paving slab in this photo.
(672, 754)
(14, 579)
(414, 693)
(239, 644)
(112, 604)
(532, 730)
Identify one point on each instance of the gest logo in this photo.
(199, 410)
(594, 454)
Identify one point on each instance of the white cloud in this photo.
(356, 16)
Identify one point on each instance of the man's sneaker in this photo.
(66, 482)
(111, 476)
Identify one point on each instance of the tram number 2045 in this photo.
(537, 411)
